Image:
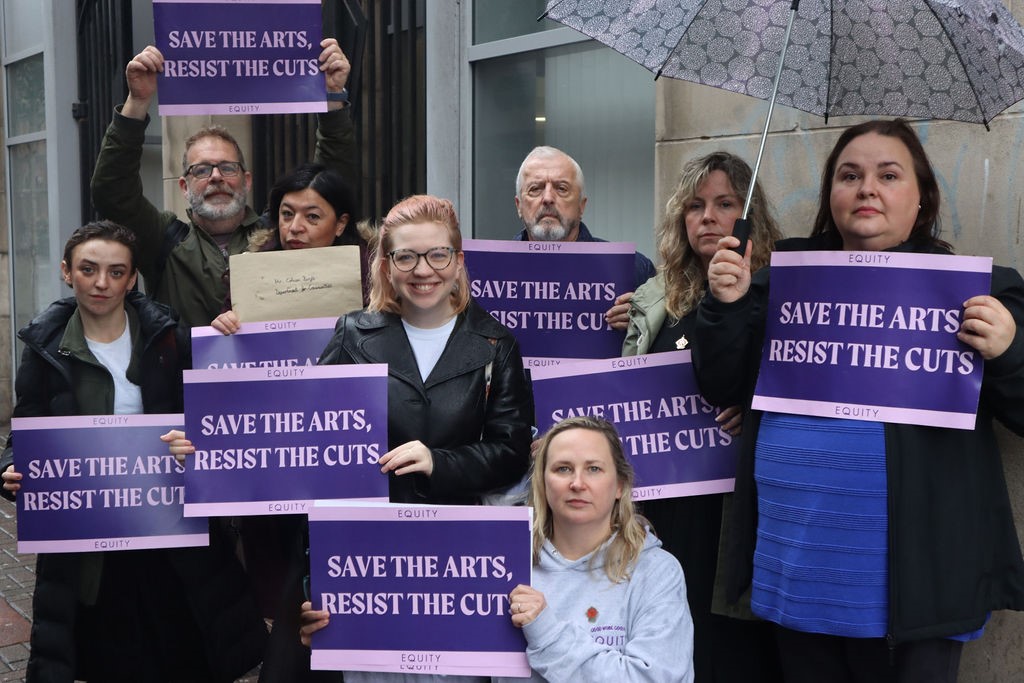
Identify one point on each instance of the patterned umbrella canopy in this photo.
(939, 59)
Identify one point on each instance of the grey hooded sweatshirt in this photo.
(595, 630)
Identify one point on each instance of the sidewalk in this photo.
(17, 581)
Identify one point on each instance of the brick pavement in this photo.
(17, 581)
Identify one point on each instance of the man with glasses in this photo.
(185, 263)
(550, 199)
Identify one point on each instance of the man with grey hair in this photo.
(550, 199)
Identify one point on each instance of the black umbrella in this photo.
(960, 60)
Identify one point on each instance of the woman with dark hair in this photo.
(314, 207)
(311, 207)
(924, 224)
(876, 548)
(729, 644)
(141, 615)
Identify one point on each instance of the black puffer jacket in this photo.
(480, 438)
(953, 550)
(158, 614)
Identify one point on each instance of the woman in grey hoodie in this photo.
(606, 602)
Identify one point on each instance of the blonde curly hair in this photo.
(681, 267)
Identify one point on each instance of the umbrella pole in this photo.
(742, 228)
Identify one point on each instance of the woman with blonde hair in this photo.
(606, 602)
(701, 211)
(703, 207)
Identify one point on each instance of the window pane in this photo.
(23, 26)
(25, 96)
(36, 279)
(588, 101)
(499, 19)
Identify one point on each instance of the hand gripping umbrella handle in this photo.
(741, 231)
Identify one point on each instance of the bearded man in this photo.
(550, 199)
(185, 263)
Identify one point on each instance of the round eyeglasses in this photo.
(437, 258)
(228, 169)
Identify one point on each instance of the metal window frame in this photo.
(62, 169)
(457, 133)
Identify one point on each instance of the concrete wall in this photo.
(6, 371)
(981, 176)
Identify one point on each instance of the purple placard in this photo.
(872, 336)
(668, 430)
(271, 440)
(100, 482)
(552, 295)
(419, 588)
(273, 344)
(228, 57)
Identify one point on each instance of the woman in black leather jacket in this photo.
(459, 407)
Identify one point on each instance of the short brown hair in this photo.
(210, 132)
(103, 230)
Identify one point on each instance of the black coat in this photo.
(479, 436)
(954, 554)
(159, 613)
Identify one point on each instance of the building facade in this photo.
(454, 93)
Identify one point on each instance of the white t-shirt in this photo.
(427, 345)
(115, 357)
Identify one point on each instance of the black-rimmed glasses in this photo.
(228, 169)
(437, 258)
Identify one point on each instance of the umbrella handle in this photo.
(741, 231)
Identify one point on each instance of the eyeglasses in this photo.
(437, 258)
(228, 169)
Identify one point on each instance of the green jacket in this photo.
(93, 387)
(192, 277)
(646, 316)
